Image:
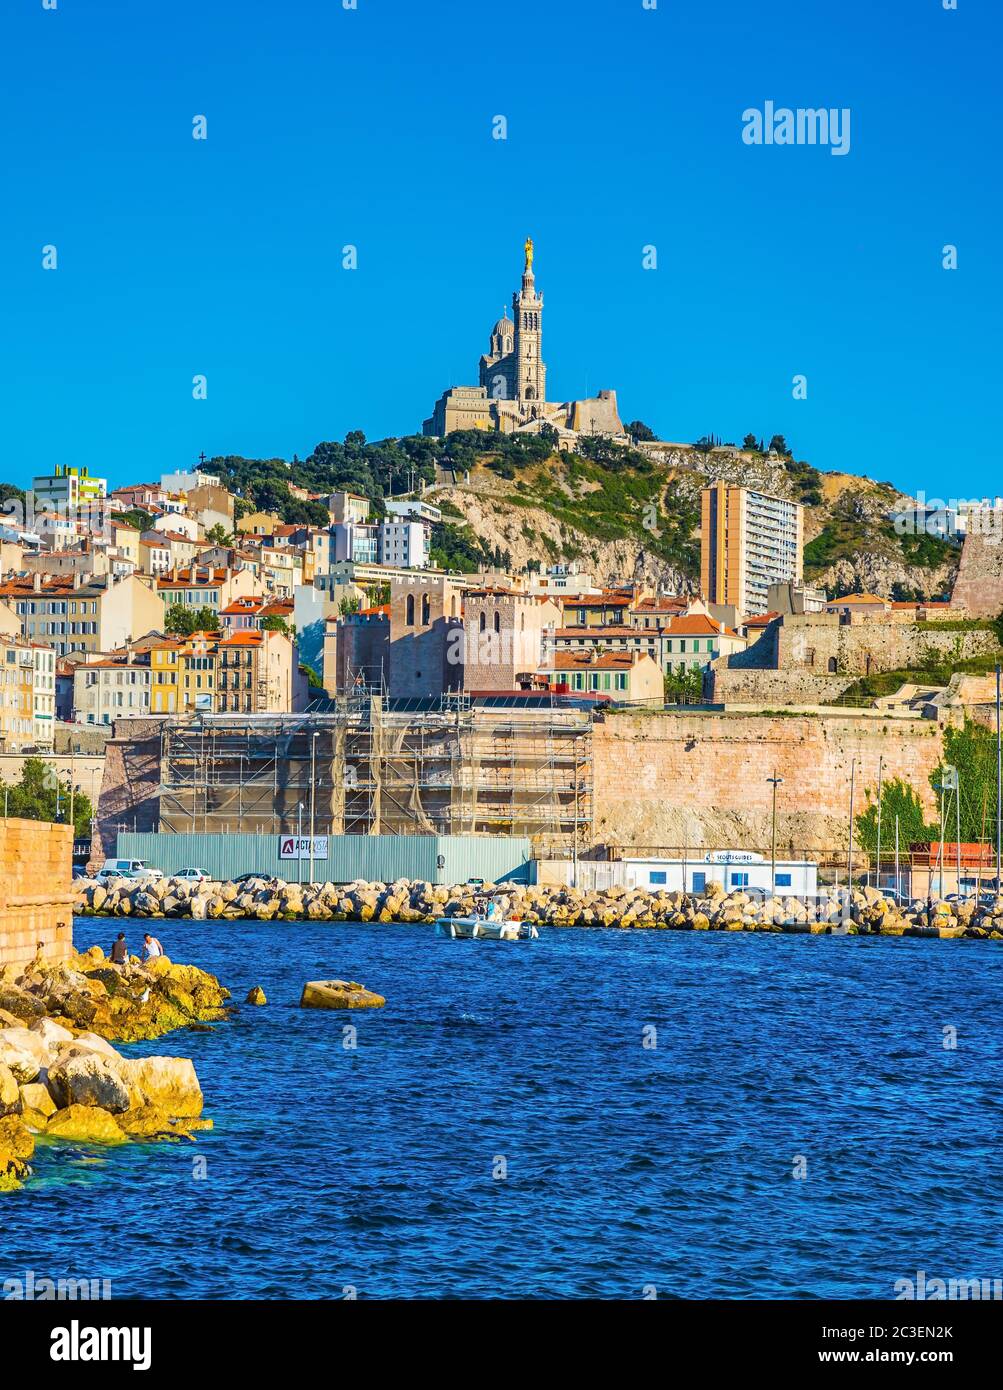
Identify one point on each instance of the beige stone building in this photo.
(113, 687)
(748, 541)
(504, 636)
(512, 393)
(627, 676)
(425, 656)
(70, 614)
(198, 587)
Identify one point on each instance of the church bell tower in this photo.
(527, 313)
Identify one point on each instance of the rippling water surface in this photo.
(627, 1166)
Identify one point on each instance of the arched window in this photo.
(497, 621)
(832, 663)
(484, 621)
(426, 610)
(410, 610)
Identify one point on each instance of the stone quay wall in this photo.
(36, 901)
(699, 780)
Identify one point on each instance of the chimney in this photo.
(36, 582)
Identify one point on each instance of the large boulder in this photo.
(87, 1078)
(85, 1124)
(17, 1144)
(20, 1003)
(24, 1065)
(53, 1035)
(10, 1093)
(339, 994)
(169, 1083)
(36, 1105)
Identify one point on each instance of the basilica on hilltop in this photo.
(512, 394)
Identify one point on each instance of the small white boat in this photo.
(475, 928)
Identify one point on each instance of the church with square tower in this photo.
(512, 394)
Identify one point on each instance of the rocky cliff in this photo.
(639, 519)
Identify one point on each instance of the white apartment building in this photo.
(110, 689)
(406, 543)
(44, 689)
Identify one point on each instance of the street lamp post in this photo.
(774, 782)
(313, 788)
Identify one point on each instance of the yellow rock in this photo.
(85, 1124)
(36, 1097)
(169, 1083)
(17, 1144)
(339, 994)
(257, 996)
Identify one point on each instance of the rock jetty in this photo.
(859, 911)
(60, 1076)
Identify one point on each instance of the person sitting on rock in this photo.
(152, 948)
(119, 950)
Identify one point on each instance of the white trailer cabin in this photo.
(736, 869)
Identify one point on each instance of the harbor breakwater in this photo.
(859, 911)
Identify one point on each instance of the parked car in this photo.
(135, 869)
(192, 875)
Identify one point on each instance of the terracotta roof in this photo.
(603, 634)
(659, 605)
(586, 661)
(761, 619)
(856, 598)
(242, 639)
(605, 600)
(247, 603)
(201, 577)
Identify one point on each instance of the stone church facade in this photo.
(512, 394)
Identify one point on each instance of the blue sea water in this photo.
(377, 1169)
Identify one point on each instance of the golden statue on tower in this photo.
(528, 248)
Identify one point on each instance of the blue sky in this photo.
(373, 127)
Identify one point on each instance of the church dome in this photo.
(504, 328)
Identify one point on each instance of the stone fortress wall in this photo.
(699, 780)
(35, 891)
(811, 658)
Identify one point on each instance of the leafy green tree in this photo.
(135, 516)
(640, 432)
(897, 799)
(181, 621)
(683, 685)
(42, 794)
(972, 750)
(349, 604)
(778, 445)
(219, 535)
(312, 679)
(749, 442)
(274, 623)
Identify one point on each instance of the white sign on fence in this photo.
(293, 847)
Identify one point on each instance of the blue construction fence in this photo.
(444, 859)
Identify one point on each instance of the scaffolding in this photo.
(368, 766)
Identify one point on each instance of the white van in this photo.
(125, 868)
